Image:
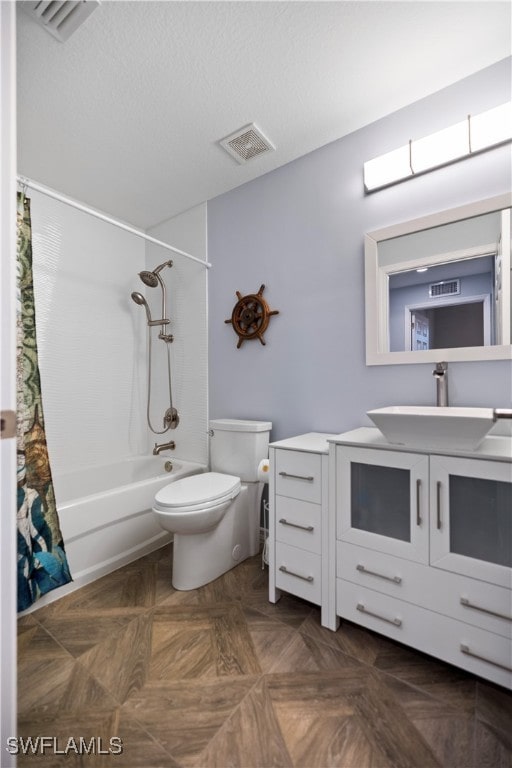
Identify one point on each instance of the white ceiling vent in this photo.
(60, 17)
(246, 143)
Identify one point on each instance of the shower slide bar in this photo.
(26, 182)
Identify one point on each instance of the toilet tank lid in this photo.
(198, 489)
(240, 425)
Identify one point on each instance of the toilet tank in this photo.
(237, 446)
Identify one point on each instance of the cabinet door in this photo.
(382, 501)
(471, 518)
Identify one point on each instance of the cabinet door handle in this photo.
(468, 604)
(284, 569)
(309, 478)
(438, 497)
(418, 493)
(396, 622)
(395, 579)
(296, 525)
(466, 649)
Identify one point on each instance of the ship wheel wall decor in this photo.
(251, 316)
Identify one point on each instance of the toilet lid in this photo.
(198, 490)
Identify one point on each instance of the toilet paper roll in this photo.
(263, 471)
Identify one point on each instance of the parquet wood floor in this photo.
(218, 677)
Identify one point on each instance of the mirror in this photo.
(439, 287)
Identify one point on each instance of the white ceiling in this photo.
(127, 114)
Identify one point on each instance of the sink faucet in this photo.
(164, 447)
(440, 373)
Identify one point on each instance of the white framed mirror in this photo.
(439, 287)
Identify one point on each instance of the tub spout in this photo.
(164, 447)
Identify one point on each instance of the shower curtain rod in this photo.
(26, 182)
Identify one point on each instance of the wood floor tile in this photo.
(493, 748)
(250, 737)
(389, 730)
(121, 661)
(446, 683)
(270, 637)
(219, 676)
(89, 733)
(451, 739)
(306, 654)
(494, 708)
(184, 716)
(350, 639)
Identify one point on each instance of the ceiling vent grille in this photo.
(246, 143)
(444, 288)
(60, 17)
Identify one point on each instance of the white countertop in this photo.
(493, 447)
(311, 442)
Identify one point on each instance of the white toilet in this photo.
(215, 517)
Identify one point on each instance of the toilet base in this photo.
(203, 557)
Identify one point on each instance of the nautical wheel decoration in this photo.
(251, 316)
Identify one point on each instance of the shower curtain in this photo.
(42, 562)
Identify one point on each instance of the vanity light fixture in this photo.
(475, 134)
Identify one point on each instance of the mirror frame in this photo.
(376, 291)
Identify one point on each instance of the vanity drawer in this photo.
(482, 653)
(299, 475)
(299, 572)
(472, 601)
(299, 523)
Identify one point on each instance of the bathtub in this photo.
(105, 514)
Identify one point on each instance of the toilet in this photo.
(215, 516)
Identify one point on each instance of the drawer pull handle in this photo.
(309, 478)
(394, 579)
(396, 622)
(467, 604)
(466, 649)
(418, 493)
(284, 569)
(438, 489)
(296, 525)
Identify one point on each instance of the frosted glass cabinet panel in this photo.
(382, 501)
(471, 518)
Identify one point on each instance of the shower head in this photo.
(139, 299)
(151, 279)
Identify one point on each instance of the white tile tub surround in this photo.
(187, 284)
(89, 336)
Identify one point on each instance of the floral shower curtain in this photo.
(42, 562)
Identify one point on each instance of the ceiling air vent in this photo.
(246, 143)
(444, 288)
(60, 17)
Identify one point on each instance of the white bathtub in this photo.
(105, 515)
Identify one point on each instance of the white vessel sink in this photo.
(433, 427)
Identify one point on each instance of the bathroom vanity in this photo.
(302, 533)
(424, 547)
(412, 543)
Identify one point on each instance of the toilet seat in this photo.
(196, 492)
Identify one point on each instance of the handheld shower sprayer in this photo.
(139, 299)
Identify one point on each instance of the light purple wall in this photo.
(299, 230)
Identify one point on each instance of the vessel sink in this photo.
(433, 427)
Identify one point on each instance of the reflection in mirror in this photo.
(439, 287)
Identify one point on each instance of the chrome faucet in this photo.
(440, 373)
(164, 447)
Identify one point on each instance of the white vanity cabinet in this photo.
(424, 547)
(301, 532)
